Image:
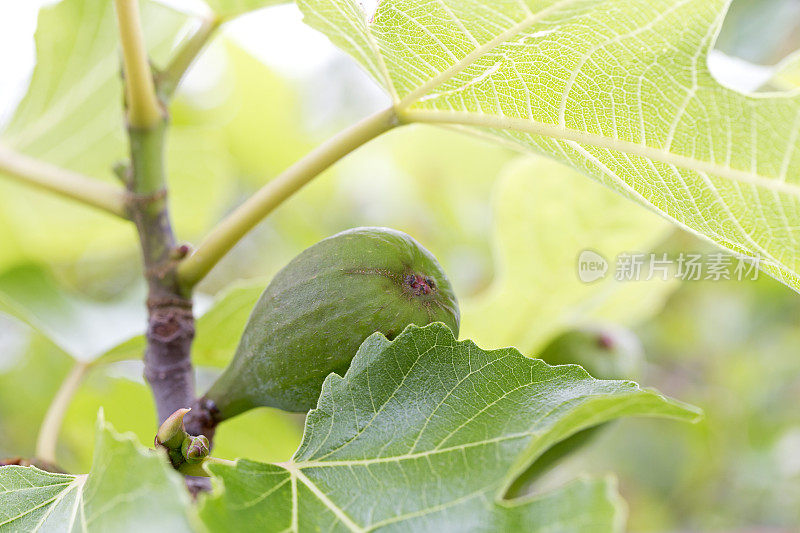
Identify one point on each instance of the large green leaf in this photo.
(28, 384)
(72, 116)
(396, 444)
(83, 328)
(129, 489)
(619, 89)
(545, 216)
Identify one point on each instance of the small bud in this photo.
(195, 449)
(171, 434)
(122, 171)
(180, 252)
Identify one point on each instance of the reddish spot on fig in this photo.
(419, 285)
(605, 341)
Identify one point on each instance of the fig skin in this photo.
(605, 351)
(319, 308)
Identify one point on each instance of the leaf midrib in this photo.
(634, 395)
(51, 503)
(561, 132)
(601, 141)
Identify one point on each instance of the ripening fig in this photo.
(605, 351)
(319, 308)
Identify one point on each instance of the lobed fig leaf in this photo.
(317, 311)
(424, 433)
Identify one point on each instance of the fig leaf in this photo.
(426, 433)
(129, 489)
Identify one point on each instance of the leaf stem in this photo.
(51, 425)
(199, 469)
(171, 76)
(144, 109)
(228, 232)
(64, 182)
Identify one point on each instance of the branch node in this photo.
(203, 418)
(137, 200)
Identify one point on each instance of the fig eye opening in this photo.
(419, 284)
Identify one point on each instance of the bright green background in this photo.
(729, 348)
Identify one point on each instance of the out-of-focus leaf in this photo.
(72, 116)
(391, 444)
(258, 115)
(233, 8)
(262, 434)
(267, 435)
(219, 329)
(84, 329)
(128, 489)
(126, 404)
(26, 389)
(72, 112)
(545, 216)
(200, 180)
(265, 132)
(130, 349)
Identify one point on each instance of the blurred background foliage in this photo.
(507, 228)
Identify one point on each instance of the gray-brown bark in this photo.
(170, 328)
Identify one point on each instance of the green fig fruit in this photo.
(319, 308)
(605, 351)
(195, 449)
